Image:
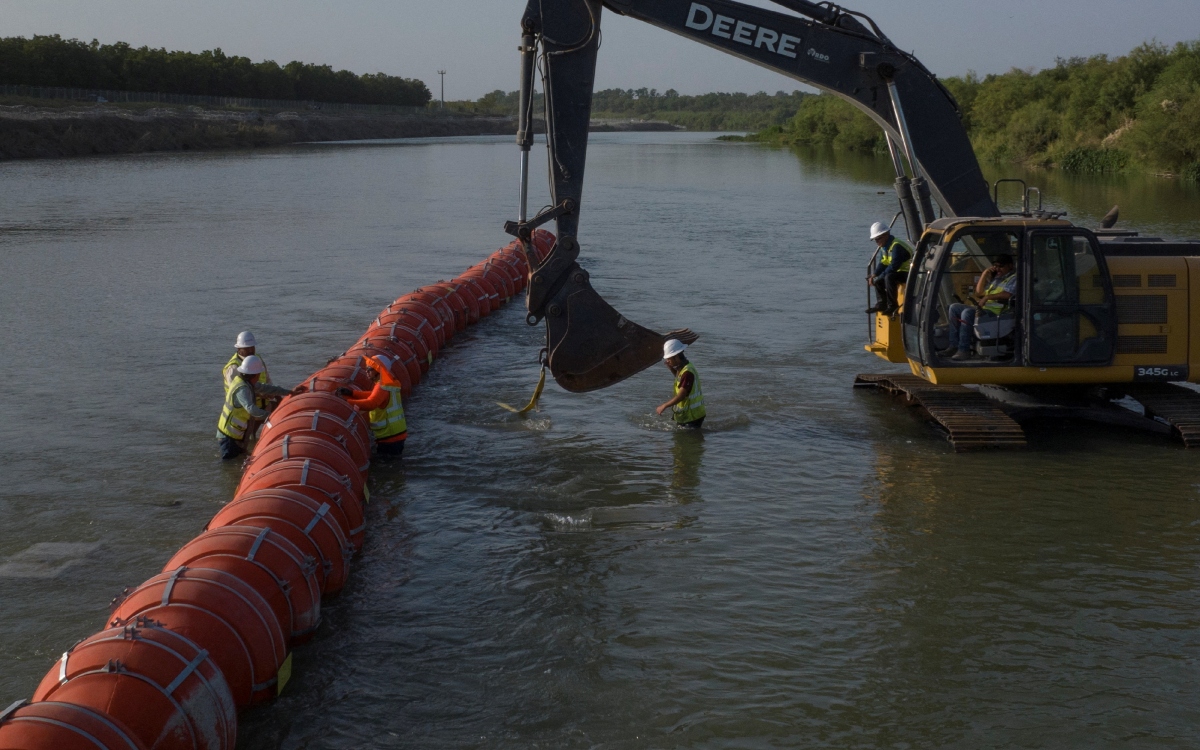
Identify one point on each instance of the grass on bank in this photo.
(1091, 115)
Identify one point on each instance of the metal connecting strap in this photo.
(262, 536)
(317, 518)
(8, 712)
(187, 672)
(304, 473)
(62, 667)
(264, 685)
(166, 597)
(316, 418)
(286, 439)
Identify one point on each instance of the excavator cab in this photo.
(1063, 311)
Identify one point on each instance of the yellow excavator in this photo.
(1103, 325)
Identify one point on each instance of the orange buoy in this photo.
(509, 267)
(395, 354)
(514, 252)
(446, 302)
(436, 300)
(315, 401)
(215, 635)
(306, 472)
(313, 445)
(468, 288)
(500, 267)
(234, 607)
(268, 561)
(261, 581)
(491, 294)
(543, 243)
(314, 526)
(344, 373)
(354, 434)
(51, 725)
(163, 687)
(465, 298)
(392, 320)
(432, 316)
(408, 349)
(496, 276)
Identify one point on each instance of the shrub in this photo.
(1089, 160)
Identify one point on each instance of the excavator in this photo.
(1105, 325)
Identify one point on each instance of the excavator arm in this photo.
(841, 52)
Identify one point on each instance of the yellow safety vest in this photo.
(228, 376)
(995, 307)
(234, 418)
(691, 408)
(389, 421)
(886, 258)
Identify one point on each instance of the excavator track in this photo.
(970, 419)
(1173, 404)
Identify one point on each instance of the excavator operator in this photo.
(993, 294)
(891, 269)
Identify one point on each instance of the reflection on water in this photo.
(687, 454)
(815, 568)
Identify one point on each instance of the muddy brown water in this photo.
(814, 569)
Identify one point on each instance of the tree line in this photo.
(70, 63)
(718, 111)
(1095, 114)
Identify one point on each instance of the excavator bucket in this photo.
(592, 346)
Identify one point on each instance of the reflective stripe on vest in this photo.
(691, 408)
(389, 421)
(995, 307)
(886, 258)
(234, 417)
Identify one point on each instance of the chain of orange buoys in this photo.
(213, 633)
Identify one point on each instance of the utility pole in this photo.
(442, 73)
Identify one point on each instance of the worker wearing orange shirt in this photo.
(384, 407)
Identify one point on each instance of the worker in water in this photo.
(890, 270)
(993, 294)
(687, 407)
(245, 346)
(384, 406)
(241, 415)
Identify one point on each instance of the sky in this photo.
(475, 41)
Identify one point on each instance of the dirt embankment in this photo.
(31, 132)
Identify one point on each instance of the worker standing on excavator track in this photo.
(241, 415)
(891, 269)
(687, 407)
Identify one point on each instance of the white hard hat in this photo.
(252, 365)
(672, 348)
(245, 340)
(878, 229)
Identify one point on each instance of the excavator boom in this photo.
(590, 345)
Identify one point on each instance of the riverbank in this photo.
(38, 131)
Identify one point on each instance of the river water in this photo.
(816, 568)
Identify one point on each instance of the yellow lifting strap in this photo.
(533, 402)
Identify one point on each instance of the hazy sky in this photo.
(475, 40)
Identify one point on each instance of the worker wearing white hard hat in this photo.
(892, 263)
(241, 414)
(243, 347)
(687, 405)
